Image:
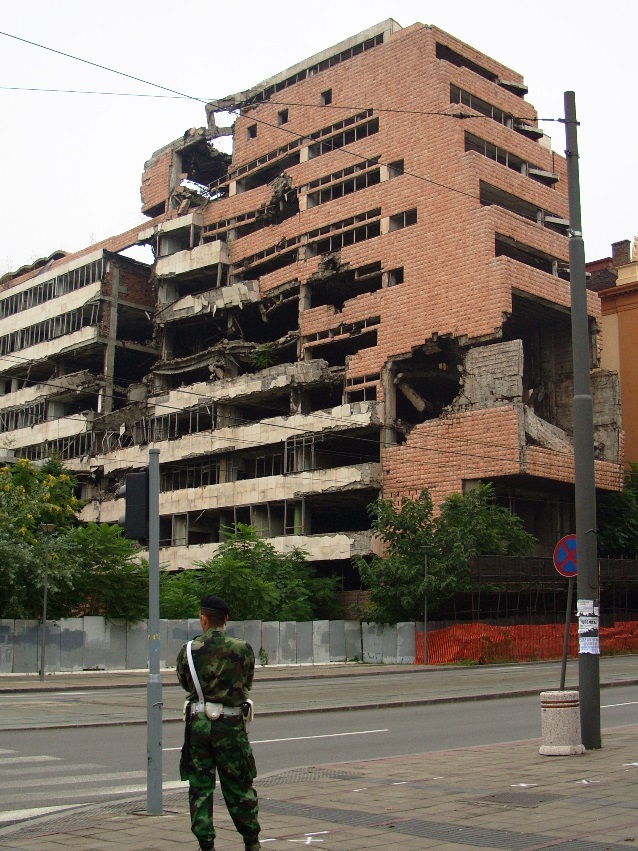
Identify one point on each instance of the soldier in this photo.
(215, 737)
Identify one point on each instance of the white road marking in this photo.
(324, 736)
(6, 750)
(75, 779)
(13, 760)
(20, 815)
(108, 791)
(613, 705)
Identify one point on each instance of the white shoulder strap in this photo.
(191, 665)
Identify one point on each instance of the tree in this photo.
(617, 519)
(468, 525)
(91, 568)
(396, 582)
(254, 579)
(28, 498)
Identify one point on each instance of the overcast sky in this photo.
(72, 162)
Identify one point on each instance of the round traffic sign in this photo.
(565, 556)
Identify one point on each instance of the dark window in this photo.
(326, 97)
(282, 116)
(251, 133)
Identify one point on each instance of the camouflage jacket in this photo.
(224, 665)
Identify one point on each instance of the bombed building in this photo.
(369, 296)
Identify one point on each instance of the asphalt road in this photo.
(121, 705)
(44, 768)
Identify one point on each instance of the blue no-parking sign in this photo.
(565, 556)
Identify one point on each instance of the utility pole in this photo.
(425, 610)
(584, 479)
(47, 530)
(154, 688)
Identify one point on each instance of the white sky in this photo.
(72, 162)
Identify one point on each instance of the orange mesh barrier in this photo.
(482, 643)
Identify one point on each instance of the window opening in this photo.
(326, 97)
(403, 220)
(282, 117)
(251, 131)
(458, 95)
(395, 169)
(454, 58)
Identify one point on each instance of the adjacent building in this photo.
(615, 279)
(369, 297)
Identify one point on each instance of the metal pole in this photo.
(425, 612)
(584, 479)
(44, 610)
(154, 689)
(568, 617)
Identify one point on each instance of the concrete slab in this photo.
(288, 643)
(6, 646)
(71, 644)
(337, 641)
(94, 648)
(304, 642)
(320, 642)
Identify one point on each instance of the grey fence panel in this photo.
(304, 642)
(288, 643)
(372, 642)
(94, 651)
(26, 651)
(321, 642)
(52, 638)
(194, 628)
(235, 629)
(71, 644)
(117, 645)
(389, 644)
(270, 641)
(337, 641)
(406, 643)
(163, 646)
(6, 645)
(252, 634)
(176, 638)
(136, 646)
(354, 651)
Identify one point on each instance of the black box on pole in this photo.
(135, 493)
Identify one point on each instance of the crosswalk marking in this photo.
(22, 815)
(61, 766)
(14, 760)
(108, 791)
(75, 779)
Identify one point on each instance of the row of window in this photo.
(50, 329)
(458, 95)
(323, 65)
(53, 288)
(78, 446)
(283, 150)
(25, 417)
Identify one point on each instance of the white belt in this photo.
(212, 710)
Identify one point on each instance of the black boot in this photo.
(207, 846)
(252, 845)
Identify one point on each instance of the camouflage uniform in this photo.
(225, 668)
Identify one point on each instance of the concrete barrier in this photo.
(560, 723)
(93, 643)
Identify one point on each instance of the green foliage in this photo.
(397, 581)
(468, 525)
(256, 581)
(90, 568)
(617, 519)
(263, 356)
(107, 579)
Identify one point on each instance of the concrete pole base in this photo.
(560, 723)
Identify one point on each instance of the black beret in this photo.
(213, 603)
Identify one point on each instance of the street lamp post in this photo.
(47, 530)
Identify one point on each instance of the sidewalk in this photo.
(494, 797)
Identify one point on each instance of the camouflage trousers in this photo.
(220, 746)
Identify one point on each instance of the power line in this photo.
(85, 92)
(101, 67)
